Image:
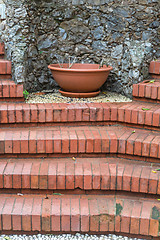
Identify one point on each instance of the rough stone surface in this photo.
(39, 32)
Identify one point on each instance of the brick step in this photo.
(10, 91)
(146, 115)
(148, 90)
(77, 213)
(79, 174)
(86, 140)
(2, 50)
(154, 68)
(5, 67)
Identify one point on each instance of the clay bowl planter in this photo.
(81, 80)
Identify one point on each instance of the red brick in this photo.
(41, 147)
(5, 91)
(69, 176)
(149, 117)
(26, 113)
(94, 215)
(19, 114)
(2, 202)
(11, 113)
(117, 226)
(3, 111)
(113, 175)
(144, 179)
(34, 175)
(97, 141)
(120, 170)
(52, 175)
(104, 215)
(34, 113)
(49, 141)
(135, 90)
(79, 176)
(145, 216)
(113, 142)
(105, 176)
(65, 141)
(154, 92)
(141, 90)
(114, 113)
(16, 142)
(8, 175)
(41, 113)
(153, 182)
(19, 93)
(32, 142)
(12, 90)
(6, 214)
(146, 145)
(89, 141)
(71, 113)
(85, 113)
(2, 168)
(55, 215)
(122, 142)
(64, 112)
(141, 116)
(26, 175)
(154, 227)
(8, 142)
(43, 175)
(36, 213)
(2, 49)
(16, 214)
(57, 113)
(135, 218)
(84, 209)
(26, 214)
(138, 144)
(73, 141)
(127, 177)
(81, 141)
(156, 119)
(17, 175)
(65, 215)
(49, 112)
(2, 145)
(24, 141)
(96, 179)
(130, 143)
(5, 66)
(112, 213)
(126, 216)
(87, 171)
(46, 215)
(106, 111)
(75, 215)
(104, 141)
(148, 91)
(135, 182)
(57, 142)
(154, 147)
(61, 175)
(96, 111)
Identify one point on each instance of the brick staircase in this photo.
(86, 167)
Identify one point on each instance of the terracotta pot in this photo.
(80, 78)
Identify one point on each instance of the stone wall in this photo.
(124, 33)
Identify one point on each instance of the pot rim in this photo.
(104, 69)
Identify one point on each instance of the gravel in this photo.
(77, 236)
(56, 97)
